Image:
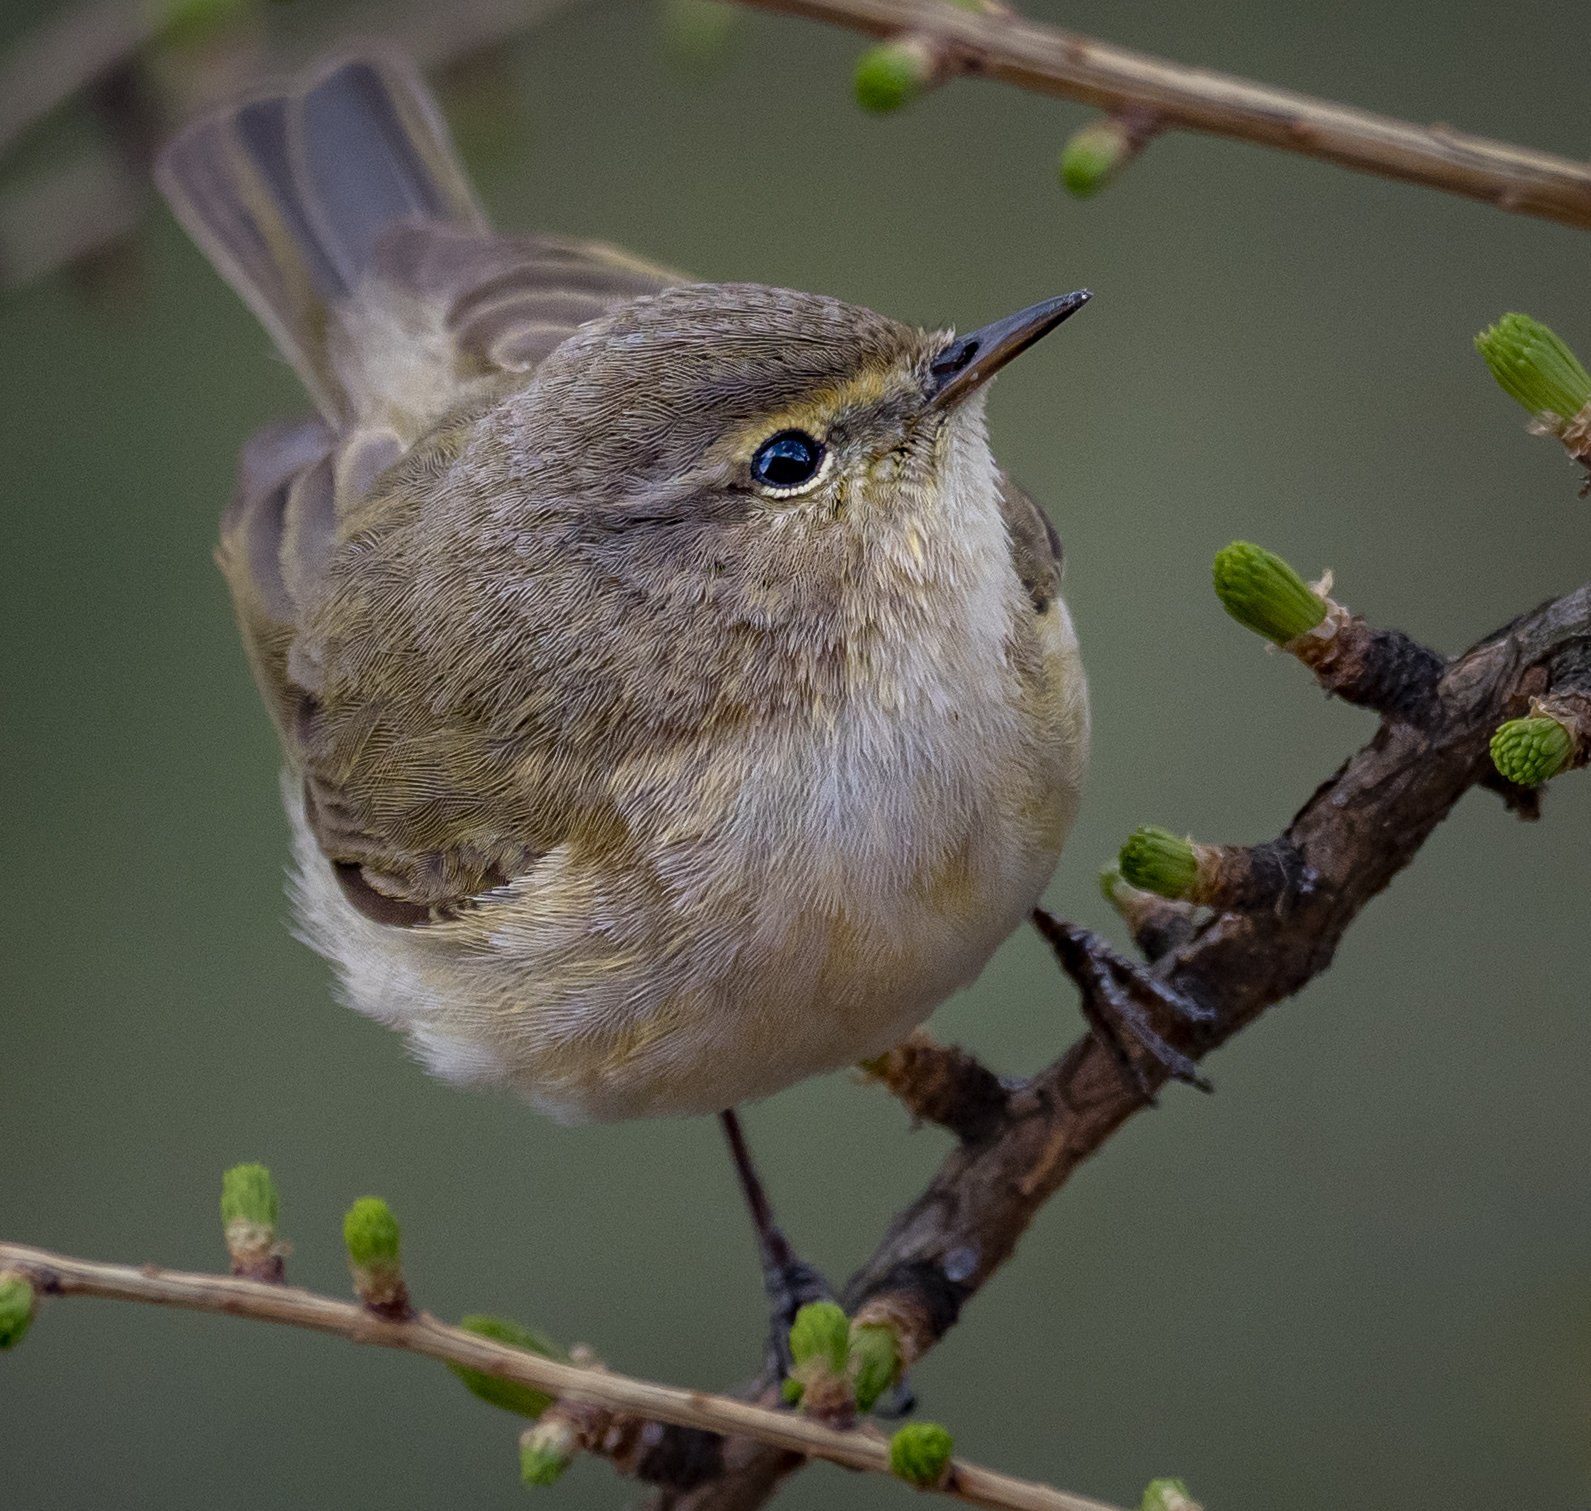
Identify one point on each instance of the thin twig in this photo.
(61, 1275)
(1004, 46)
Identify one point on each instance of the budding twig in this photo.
(60, 1275)
(1224, 878)
(1045, 59)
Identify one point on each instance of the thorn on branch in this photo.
(941, 1084)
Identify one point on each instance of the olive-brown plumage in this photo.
(625, 770)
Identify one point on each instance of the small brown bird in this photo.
(677, 698)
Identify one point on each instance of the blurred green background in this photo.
(1358, 1276)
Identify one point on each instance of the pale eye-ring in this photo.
(788, 462)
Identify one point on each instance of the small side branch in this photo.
(1000, 45)
(942, 1084)
(786, 1431)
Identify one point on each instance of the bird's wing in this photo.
(337, 208)
(1035, 547)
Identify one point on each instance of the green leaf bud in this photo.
(248, 1219)
(248, 1195)
(919, 1453)
(1096, 154)
(371, 1233)
(1167, 1495)
(1259, 590)
(893, 74)
(821, 1334)
(874, 1361)
(1534, 367)
(1156, 860)
(510, 1395)
(18, 1302)
(546, 1450)
(1531, 751)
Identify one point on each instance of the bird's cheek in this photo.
(888, 469)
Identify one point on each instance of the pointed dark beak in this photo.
(971, 360)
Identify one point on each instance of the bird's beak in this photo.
(971, 360)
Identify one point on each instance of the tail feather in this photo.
(289, 193)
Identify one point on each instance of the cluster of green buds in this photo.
(919, 1453)
(370, 1232)
(839, 1366)
(1533, 366)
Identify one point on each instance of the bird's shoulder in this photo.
(1036, 552)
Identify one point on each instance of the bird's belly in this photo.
(807, 920)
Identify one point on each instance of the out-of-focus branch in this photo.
(780, 1431)
(998, 44)
(1358, 829)
(66, 55)
(94, 202)
(66, 219)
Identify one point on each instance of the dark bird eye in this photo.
(787, 460)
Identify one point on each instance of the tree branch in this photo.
(1357, 831)
(1000, 45)
(782, 1432)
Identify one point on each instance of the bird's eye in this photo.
(787, 461)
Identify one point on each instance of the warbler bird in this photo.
(677, 698)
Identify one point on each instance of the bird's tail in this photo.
(289, 191)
